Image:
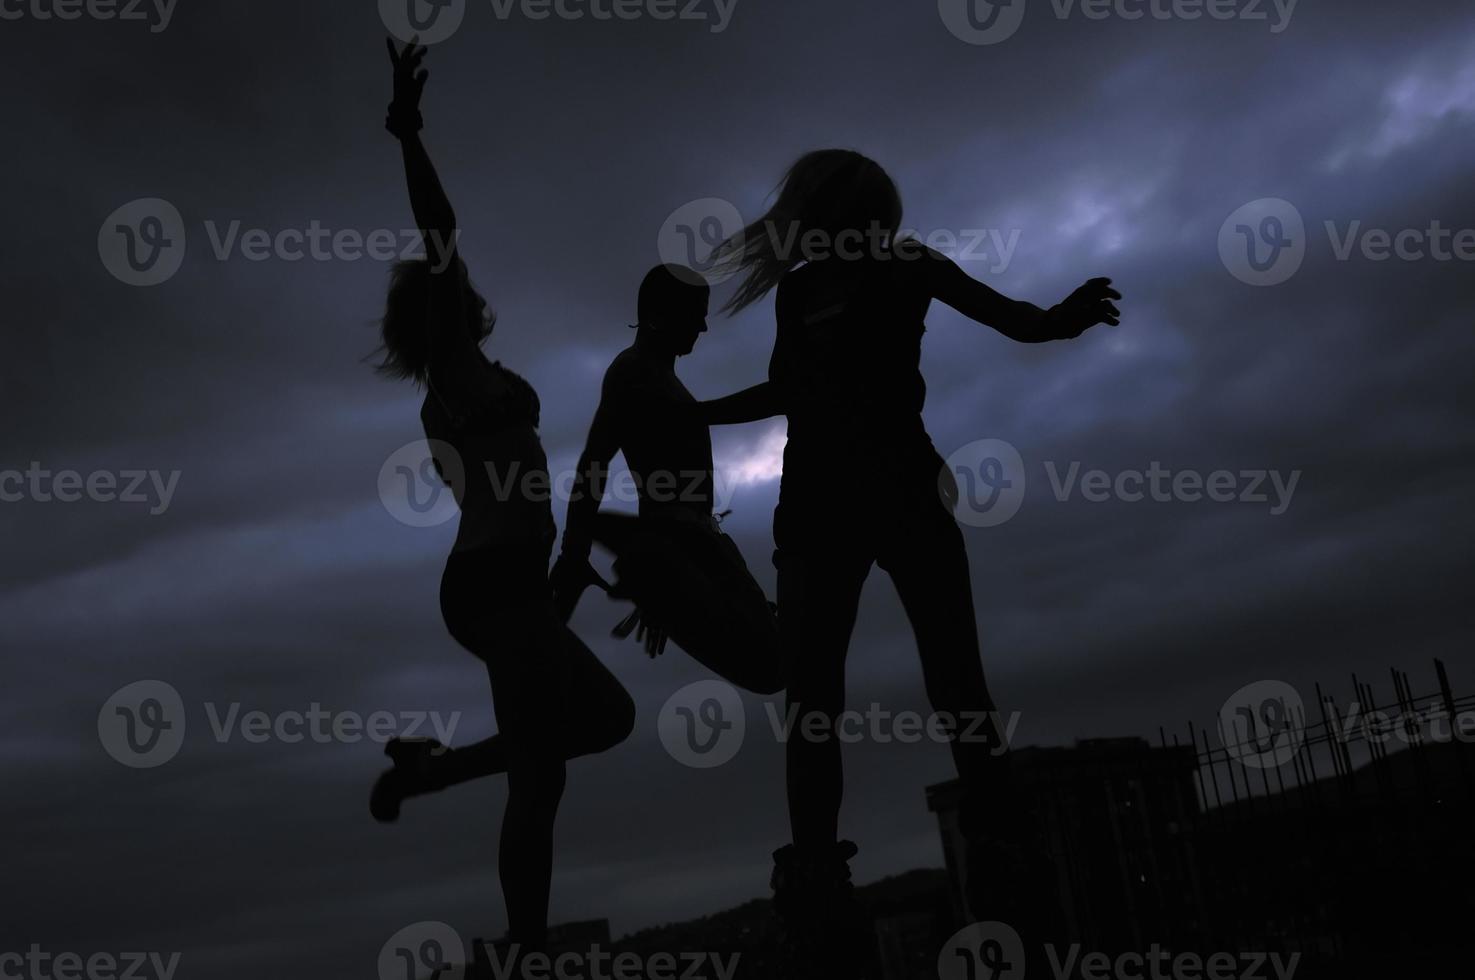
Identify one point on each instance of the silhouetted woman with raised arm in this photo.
(861, 486)
(554, 699)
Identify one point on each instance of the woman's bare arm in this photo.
(457, 368)
(1020, 321)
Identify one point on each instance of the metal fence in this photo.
(1346, 840)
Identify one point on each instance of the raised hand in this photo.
(1093, 303)
(409, 84)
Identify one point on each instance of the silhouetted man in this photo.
(687, 579)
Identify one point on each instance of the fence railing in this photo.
(1298, 824)
(1279, 758)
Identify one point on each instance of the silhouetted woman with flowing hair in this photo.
(554, 700)
(862, 485)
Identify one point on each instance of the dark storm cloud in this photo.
(276, 578)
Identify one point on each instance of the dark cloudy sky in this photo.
(276, 578)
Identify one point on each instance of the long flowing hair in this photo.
(829, 192)
(404, 333)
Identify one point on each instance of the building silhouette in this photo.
(1114, 814)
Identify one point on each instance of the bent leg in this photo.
(693, 582)
(596, 711)
(743, 635)
(553, 699)
(721, 616)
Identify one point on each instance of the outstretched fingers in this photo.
(1098, 300)
(408, 58)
